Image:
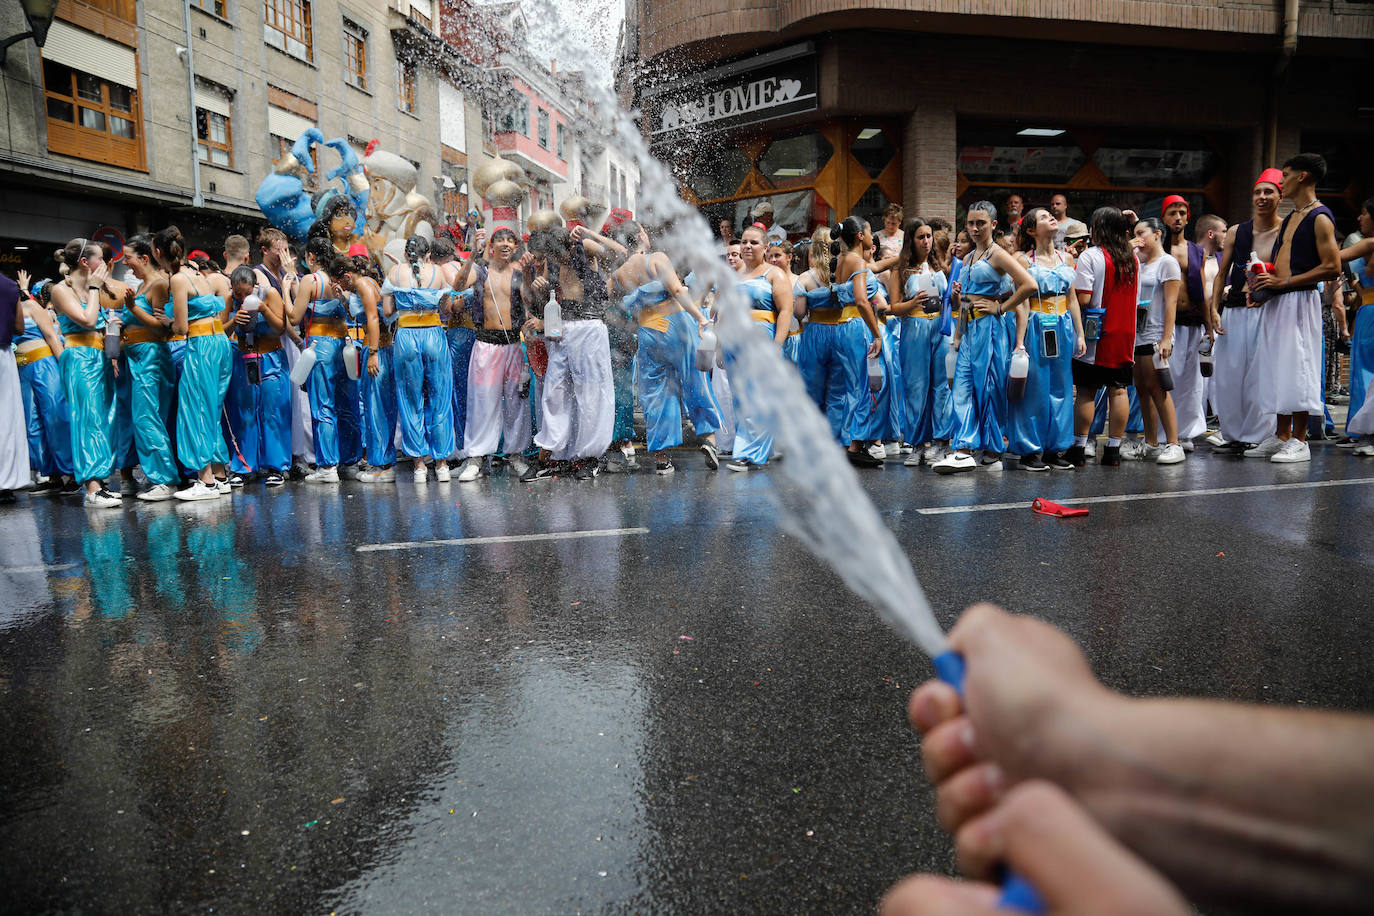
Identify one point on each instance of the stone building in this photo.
(828, 107)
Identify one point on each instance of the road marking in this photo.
(1135, 497)
(503, 539)
(16, 570)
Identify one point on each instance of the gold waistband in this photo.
(139, 333)
(833, 316)
(328, 327)
(418, 320)
(651, 316)
(763, 316)
(85, 339)
(1050, 305)
(204, 327)
(33, 354)
(1367, 297)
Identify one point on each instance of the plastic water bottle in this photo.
(951, 360)
(250, 305)
(1162, 371)
(706, 351)
(720, 356)
(304, 363)
(113, 325)
(352, 364)
(1016, 380)
(553, 319)
(1204, 354)
(1257, 268)
(875, 373)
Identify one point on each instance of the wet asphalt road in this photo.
(227, 707)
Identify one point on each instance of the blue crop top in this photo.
(845, 290)
(759, 291)
(66, 326)
(982, 279)
(30, 331)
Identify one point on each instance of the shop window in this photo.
(355, 54)
(405, 86)
(91, 118)
(873, 150)
(871, 206)
(1148, 166)
(286, 26)
(997, 153)
(797, 158)
(718, 174)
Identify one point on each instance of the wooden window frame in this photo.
(292, 20)
(218, 8)
(355, 55)
(204, 144)
(71, 138)
(405, 86)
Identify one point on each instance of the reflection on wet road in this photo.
(243, 707)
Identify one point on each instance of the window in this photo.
(422, 11)
(624, 198)
(615, 197)
(405, 86)
(287, 27)
(218, 7)
(215, 140)
(91, 118)
(282, 146)
(355, 55)
(515, 119)
(562, 150)
(543, 128)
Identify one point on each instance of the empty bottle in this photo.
(951, 360)
(553, 319)
(113, 325)
(1204, 354)
(875, 373)
(1016, 379)
(304, 363)
(706, 351)
(1162, 371)
(352, 362)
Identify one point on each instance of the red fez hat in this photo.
(1270, 176)
(1170, 201)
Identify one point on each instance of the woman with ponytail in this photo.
(916, 288)
(414, 291)
(37, 349)
(991, 284)
(197, 301)
(87, 376)
(148, 363)
(364, 287)
(826, 337)
(1106, 282)
(335, 401)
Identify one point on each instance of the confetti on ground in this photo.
(688, 638)
(337, 801)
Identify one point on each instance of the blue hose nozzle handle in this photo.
(1017, 893)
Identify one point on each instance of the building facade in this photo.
(114, 125)
(831, 107)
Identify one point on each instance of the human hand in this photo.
(1166, 349)
(1267, 281)
(1049, 840)
(875, 348)
(1029, 705)
(479, 242)
(532, 327)
(540, 286)
(99, 275)
(1080, 347)
(242, 317)
(24, 279)
(374, 365)
(578, 233)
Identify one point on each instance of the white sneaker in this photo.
(1170, 454)
(224, 487)
(913, 460)
(1294, 451)
(1150, 452)
(892, 450)
(990, 461)
(1266, 449)
(1090, 450)
(157, 493)
(323, 475)
(932, 453)
(421, 473)
(378, 475)
(472, 469)
(1216, 440)
(1364, 451)
(441, 472)
(954, 462)
(197, 491)
(518, 466)
(1188, 445)
(906, 448)
(876, 450)
(102, 499)
(1132, 450)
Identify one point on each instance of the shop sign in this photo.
(734, 96)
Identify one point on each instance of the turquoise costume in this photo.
(669, 382)
(379, 394)
(751, 443)
(423, 366)
(205, 370)
(1042, 421)
(461, 335)
(979, 396)
(921, 352)
(260, 413)
(335, 405)
(868, 417)
(46, 415)
(88, 383)
(152, 386)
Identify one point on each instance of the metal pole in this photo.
(198, 199)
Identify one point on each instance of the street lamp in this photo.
(39, 13)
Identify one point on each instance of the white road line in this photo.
(502, 539)
(1134, 497)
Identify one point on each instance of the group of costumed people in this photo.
(530, 353)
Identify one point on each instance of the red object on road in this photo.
(1045, 507)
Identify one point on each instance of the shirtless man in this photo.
(495, 406)
(1190, 321)
(1235, 320)
(1307, 253)
(577, 398)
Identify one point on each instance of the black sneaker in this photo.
(1076, 456)
(70, 487)
(664, 466)
(537, 471)
(741, 465)
(1059, 462)
(1111, 456)
(1032, 462)
(274, 479)
(50, 487)
(586, 470)
(236, 481)
(712, 456)
(862, 459)
(298, 471)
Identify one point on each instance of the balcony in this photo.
(538, 162)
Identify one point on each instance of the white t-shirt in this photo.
(1153, 276)
(1090, 274)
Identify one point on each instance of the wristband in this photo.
(93, 288)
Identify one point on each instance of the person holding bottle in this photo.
(148, 364)
(1160, 280)
(360, 280)
(917, 287)
(259, 403)
(37, 349)
(991, 284)
(1040, 425)
(87, 376)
